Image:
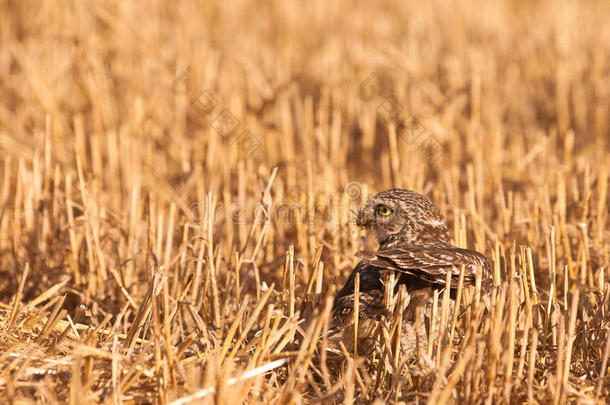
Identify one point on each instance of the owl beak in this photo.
(362, 219)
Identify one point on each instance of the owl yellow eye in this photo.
(383, 210)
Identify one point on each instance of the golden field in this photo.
(178, 180)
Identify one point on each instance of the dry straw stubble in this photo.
(151, 252)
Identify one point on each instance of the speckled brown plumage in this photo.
(414, 243)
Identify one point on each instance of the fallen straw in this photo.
(232, 381)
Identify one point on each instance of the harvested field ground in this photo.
(177, 184)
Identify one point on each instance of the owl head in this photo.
(402, 217)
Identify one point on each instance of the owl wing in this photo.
(371, 294)
(431, 262)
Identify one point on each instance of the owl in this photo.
(414, 244)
